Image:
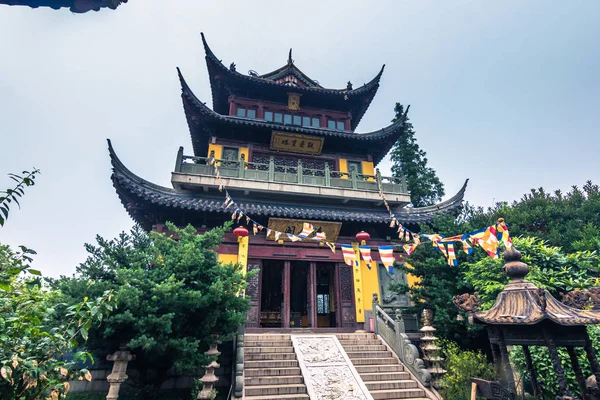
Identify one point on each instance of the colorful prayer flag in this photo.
(254, 228)
(349, 254)
(409, 248)
(451, 255)
(466, 247)
(277, 235)
(320, 236)
(228, 201)
(331, 246)
(365, 253)
(293, 238)
(386, 253)
(306, 230)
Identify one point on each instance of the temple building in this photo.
(288, 153)
(76, 6)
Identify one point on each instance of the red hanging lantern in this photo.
(362, 237)
(240, 231)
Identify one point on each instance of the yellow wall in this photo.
(228, 258)
(244, 151)
(412, 280)
(368, 169)
(344, 167)
(370, 283)
(218, 149)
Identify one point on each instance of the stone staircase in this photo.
(379, 369)
(271, 370)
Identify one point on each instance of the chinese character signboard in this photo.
(295, 143)
(294, 227)
(293, 101)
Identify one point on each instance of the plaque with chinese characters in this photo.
(294, 226)
(295, 143)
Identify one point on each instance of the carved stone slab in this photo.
(328, 372)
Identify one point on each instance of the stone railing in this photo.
(237, 383)
(391, 331)
(271, 172)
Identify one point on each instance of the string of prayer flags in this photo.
(349, 255)
(451, 255)
(386, 253)
(307, 229)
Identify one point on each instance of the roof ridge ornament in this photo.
(290, 61)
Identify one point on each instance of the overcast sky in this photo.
(506, 93)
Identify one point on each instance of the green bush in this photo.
(462, 365)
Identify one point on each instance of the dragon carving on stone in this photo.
(467, 302)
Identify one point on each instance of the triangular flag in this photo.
(331, 246)
(306, 230)
(386, 253)
(409, 248)
(293, 238)
(228, 201)
(466, 247)
(268, 232)
(277, 235)
(365, 253)
(254, 228)
(234, 214)
(451, 255)
(320, 236)
(349, 254)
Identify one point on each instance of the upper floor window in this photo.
(246, 112)
(316, 123)
(338, 125)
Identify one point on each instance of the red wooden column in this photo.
(285, 313)
(312, 284)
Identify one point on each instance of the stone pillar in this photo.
(117, 376)
(209, 379)
(431, 352)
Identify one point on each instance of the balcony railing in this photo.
(271, 172)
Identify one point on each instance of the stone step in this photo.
(272, 364)
(373, 361)
(274, 380)
(359, 342)
(265, 390)
(384, 376)
(366, 369)
(355, 336)
(368, 354)
(265, 336)
(268, 343)
(266, 349)
(281, 396)
(269, 356)
(397, 394)
(260, 372)
(365, 347)
(395, 384)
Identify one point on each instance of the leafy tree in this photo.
(410, 161)
(33, 342)
(12, 195)
(173, 295)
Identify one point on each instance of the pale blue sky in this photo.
(506, 93)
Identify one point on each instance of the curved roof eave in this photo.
(394, 129)
(370, 87)
(446, 207)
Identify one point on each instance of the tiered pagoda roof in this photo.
(145, 201)
(226, 81)
(76, 6)
(202, 122)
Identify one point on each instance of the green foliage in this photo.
(550, 268)
(461, 366)
(33, 341)
(9, 196)
(411, 162)
(173, 295)
(570, 221)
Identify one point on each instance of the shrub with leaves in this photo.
(33, 341)
(173, 296)
(461, 366)
(9, 196)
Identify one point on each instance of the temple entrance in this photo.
(271, 294)
(326, 296)
(299, 296)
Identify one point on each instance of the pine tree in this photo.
(411, 162)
